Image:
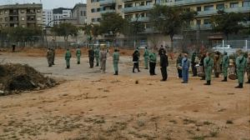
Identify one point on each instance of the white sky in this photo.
(47, 4)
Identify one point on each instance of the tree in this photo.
(169, 20)
(65, 30)
(111, 24)
(227, 23)
(133, 29)
(91, 30)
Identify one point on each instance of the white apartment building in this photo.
(48, 17)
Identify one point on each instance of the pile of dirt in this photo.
(17, 77)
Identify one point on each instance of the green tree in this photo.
(132, 29)
(169, 20)
(65, 30)
(227, 23)
(111, 24)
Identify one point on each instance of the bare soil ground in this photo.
(94, 106)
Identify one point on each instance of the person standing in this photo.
(248, 69)
(91, 57)
(146, 54)
(193, 64)
(116, 57)
(217, 65)
(49, 57)
(53, 49)
(136, 59)
(203, 56)
(185, 64)
(78, 55)
(97, 56)
(208, 65)
(103, 58)
(241, 63)
(225, 65)
(152, 61)
(178, 65)
(164, 65)
(67, 58)
(161, 50)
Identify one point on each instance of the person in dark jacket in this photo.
(193, 64)
(161, 50)
(91, 57)
(136, 58)
(203, 56)
(164, 65)
(178, 65)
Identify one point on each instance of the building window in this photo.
(220, 6)
(81, 13)
(207, 21)
(198, 9)
(84, 13)
(38, 11)
(246, 3)
(198, 22)
(119, 7)
(98, 9)
(234, 5)
(208, 8)
(92, 10)
(93, 20)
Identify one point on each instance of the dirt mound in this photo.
(17, 77)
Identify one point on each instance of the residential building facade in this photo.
(24, 15)
(48, 18)
(61, 13)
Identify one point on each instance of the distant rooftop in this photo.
(12, 6)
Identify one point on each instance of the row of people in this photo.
(150, 61)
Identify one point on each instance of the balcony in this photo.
(107, 2)
(140, 19)
(13, 14)
(107, 11)
(190, 2)
(137, 8)
(201, 27)
(214, 12)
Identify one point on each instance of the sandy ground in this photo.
(95, 106)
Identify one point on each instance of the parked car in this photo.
(227, 48)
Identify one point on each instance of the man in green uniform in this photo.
(241, 63)
(78, 55)
(248, 69)
(49, 57)
(116, 61)
(208, 65)
(67, 58)
(152, 62)
(146, 54)
(97, 56)
(225, 64)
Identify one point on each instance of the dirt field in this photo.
(89, 105)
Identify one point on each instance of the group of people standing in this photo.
(203, 65)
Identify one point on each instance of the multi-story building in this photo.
(24, 15)
(93, 11)
(48, 17)
(108, 6)
(208, 8)
(61, 13)
(79, 14)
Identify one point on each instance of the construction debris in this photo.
(17, 77)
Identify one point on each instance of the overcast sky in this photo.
(47, 4)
